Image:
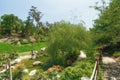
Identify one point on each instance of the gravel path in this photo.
(111, 69)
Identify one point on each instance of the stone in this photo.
(32, 39)
(19, 43)
(43, 49)
(18, 60)
(82, 55)
(25, 71)
(58, 76)
(3, 71)
(108, 60)
(85, 78)
(32, 72)
(12, 67)
(37, 63)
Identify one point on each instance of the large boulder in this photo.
(108, 60)
(82, 55)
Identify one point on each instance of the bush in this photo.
(82, 69)
(116, 54)
(65, 39)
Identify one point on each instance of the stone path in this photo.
(111, 68)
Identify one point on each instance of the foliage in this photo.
(28, 28)
(18, 74)
(65, 39)
(101, 8)
(116, 54)
(106, 28)
(83, 68)
(10, 24)
(36, 16)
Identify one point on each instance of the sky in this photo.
(74, 11)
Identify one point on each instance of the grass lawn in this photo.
(8, 48)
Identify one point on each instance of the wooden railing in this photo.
(95, 72)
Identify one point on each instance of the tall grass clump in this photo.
(65, 40)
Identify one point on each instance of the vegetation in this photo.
(106, 27)
(12, 26)
(66, 40)
(116, 54)
(63, 42)
(83, 68)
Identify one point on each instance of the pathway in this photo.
(111, 68)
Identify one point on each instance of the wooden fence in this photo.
(96, 71)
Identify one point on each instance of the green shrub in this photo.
(18, 74)
(82, 69)
(116, 54)
(65, 39)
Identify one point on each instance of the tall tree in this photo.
(27, 30)
(36, 16)
(10, 24)
(106, 28)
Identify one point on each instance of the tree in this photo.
(10, 24)
(101, 8)
(66, 40)
(36, 16)
(28, 30)
(106, 28)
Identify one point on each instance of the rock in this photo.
(55, 67)
(3, 40)
(25, 71)
(24, 41)
(36, 51)
(111, 71)
(25, 57)
(3, 71)
(18, 43)
(32, 72)
(108, 60)
(43, 49)
(85, 78)
(12, 67)
(32, 39)
(18, 60)
(58, 76)
(82, 55)
(113, 78)
(117, 59)
(37, 63)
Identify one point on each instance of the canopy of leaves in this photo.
(107, 27)
(10, 24)
(66, 39)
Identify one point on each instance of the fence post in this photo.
(10, 71)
